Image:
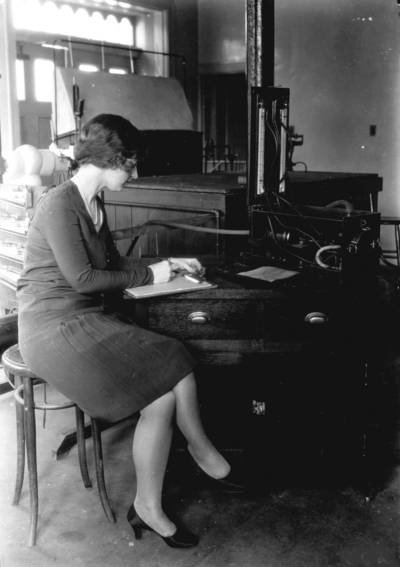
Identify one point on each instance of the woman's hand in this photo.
(189, 264)
(165, 271)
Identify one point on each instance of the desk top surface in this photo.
(229, 183)
(207, 183)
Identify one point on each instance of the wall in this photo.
(222, 43)
(340, 60)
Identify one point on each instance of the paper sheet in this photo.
(177, 285)
(269, 273)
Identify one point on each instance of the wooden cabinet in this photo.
(285, 372)
(219, 198)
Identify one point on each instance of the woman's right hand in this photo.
(163, 271)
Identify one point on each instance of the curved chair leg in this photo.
(30, 431)
(80, 437)
(98, 459)
(19, 413)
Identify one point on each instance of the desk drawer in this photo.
(296, 319)
(314, 319)
(207, 319)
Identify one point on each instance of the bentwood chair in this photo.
(23, 381)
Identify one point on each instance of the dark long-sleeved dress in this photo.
(102, 361)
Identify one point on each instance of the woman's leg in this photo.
(151, 447)
(189, 422)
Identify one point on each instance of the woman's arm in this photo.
(61, 226)
(162, 271)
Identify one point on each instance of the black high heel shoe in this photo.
(230, 484)
(182, 538)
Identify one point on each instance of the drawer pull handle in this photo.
(316, 318)
(199, 318)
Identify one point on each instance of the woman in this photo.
(105, 363)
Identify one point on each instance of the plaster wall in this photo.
(341, 61)
(222, 42)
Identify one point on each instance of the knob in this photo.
(199, 318)
(316, 318)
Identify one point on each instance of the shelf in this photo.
(8, 255)
(9, 278)
(14, 227)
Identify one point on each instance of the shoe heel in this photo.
(137, 530)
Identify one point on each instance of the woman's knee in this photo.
(186, 385)
(162, 408)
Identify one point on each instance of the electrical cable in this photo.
(348, 206)
(284, 249)
(323, 249)
(302, 163)
(297, 212)
(297, 229)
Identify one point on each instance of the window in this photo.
(86, 22)
(116, 71)
(44, 80)
(88, 68)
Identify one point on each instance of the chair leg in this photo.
(80, 437)
(30, 431)
(19, 412)
(98, 459)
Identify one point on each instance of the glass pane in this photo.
(44, 80)
(50, 18)
(88, 68)
(67, 21)
(82, 23)
(111, 30)
(96, 31)
(125, 32)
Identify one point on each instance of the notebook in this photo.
(178, 285)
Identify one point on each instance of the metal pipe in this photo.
(214, 212)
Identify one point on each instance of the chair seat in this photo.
(13, 363)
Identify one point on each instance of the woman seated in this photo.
(107, 365)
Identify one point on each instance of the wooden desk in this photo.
(260, 349)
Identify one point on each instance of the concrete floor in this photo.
(281, 526)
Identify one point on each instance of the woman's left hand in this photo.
(189, 264)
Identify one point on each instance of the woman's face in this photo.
(116, 179)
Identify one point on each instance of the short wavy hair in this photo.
(109, 141)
